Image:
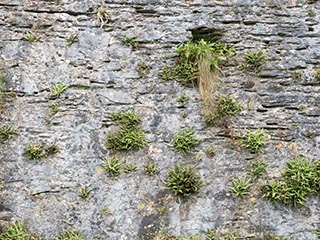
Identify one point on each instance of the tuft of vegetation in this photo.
(311, 12)
(130, 167)
(72, 39)
(298, 75)
(37, 151)
(6, 132)
(151, 168)
(128, 118)
(106, 212)
(54, 108)
(130, 41)
(258, 168)
(70, 234)
(113, 166)
(241, 186)
(34, 152)
(129, 136)
(17, 231)
(84, 192)
(126, 139)
(57, 89)
(317, 75)
(183, 181)
(184, 141)
(31, 37)
(183, 99)
(254, 140)
(210, 151)
(103, 16)
(166, 73)
(299, 179)
(142, 68)
(210, 235)
(253, 60)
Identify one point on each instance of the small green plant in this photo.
(129, 136)
(298, 75)
(229, 237)
(17, 231)
(253, 60)
(227, 106)
(34, 152)
(57, 89)
(210, 235)
(183, 99)
(241, 186)
(72, 39)
(151, 168)
(311, 12)
(130, 41)
(129, 118)
(126, 139)
(130, 167)
(185, 141)
(113, 166)
(54, 108)
(258, 168)
(6, 132)
(37, 151)
(166, 73)
(317, 75)
(70, 234)
(299, 179)
(31, 37)
(103, 16)
(254, 140)
(106, 212)
(84, 192)
(143, 68)
(210, 151)
(183, 181)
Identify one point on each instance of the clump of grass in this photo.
(258, 168)
(210, 235)
(166, 73)
(253, 60)
(210, 151)
(106, 212)
(241, 186)
(298, 75)
(183, 181)
(103, 16)
(254, 140)
(128, 118)
(299, 179)
(129, 136)
(126, 139)
(130, 41)
(54, 108)
(37, 151)
(184, 141)
(6, 132)
(70, 234)
(225, 106)
(130, 167)
(34, 151)
(143, 68)
(183, 99)
(113, 166)
(151, 168)
(31, 37)
(17, 231)
(311, 12)
(317, 75)
(84, 192)
(57, 89)
(72, 39)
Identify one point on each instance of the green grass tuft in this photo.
(58, 89)
(183, 181)
(70, 235)
(17, 231)
(258, 168)
(6, 132)
(113, 166)
(241, 186)
(254, 140)
(185, 141)
(151, 168)
(129, 118)
(254, 60)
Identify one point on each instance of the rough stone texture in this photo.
(102, 78)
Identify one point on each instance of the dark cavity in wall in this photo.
(207, 34)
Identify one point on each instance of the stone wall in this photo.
(100, 72)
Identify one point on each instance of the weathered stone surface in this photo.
(102, 78)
